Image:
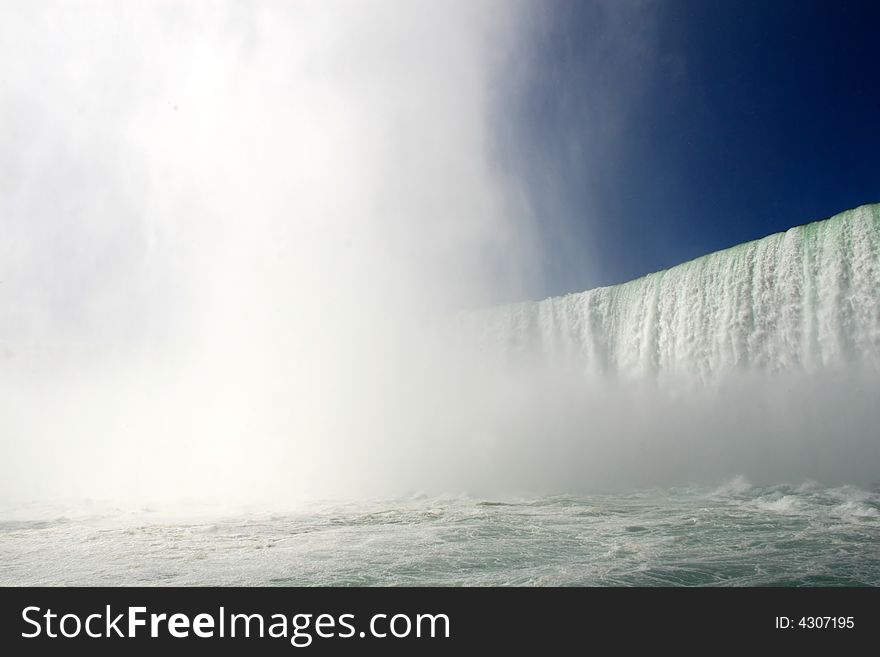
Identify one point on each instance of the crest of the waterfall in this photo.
(802, 300)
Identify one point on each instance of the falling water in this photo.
(803, 299)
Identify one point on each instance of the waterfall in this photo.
(802, 299)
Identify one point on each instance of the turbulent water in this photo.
(805, 298)
(734, 535)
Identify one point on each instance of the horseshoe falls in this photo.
(804, 299)
(715, 423)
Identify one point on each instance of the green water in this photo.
(735, 535)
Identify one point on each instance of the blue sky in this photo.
(654, 132)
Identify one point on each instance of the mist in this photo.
(237, 237)
(226, 225)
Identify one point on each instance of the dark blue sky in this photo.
(659, 131)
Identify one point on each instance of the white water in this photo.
(735, 535)
(803, 299)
